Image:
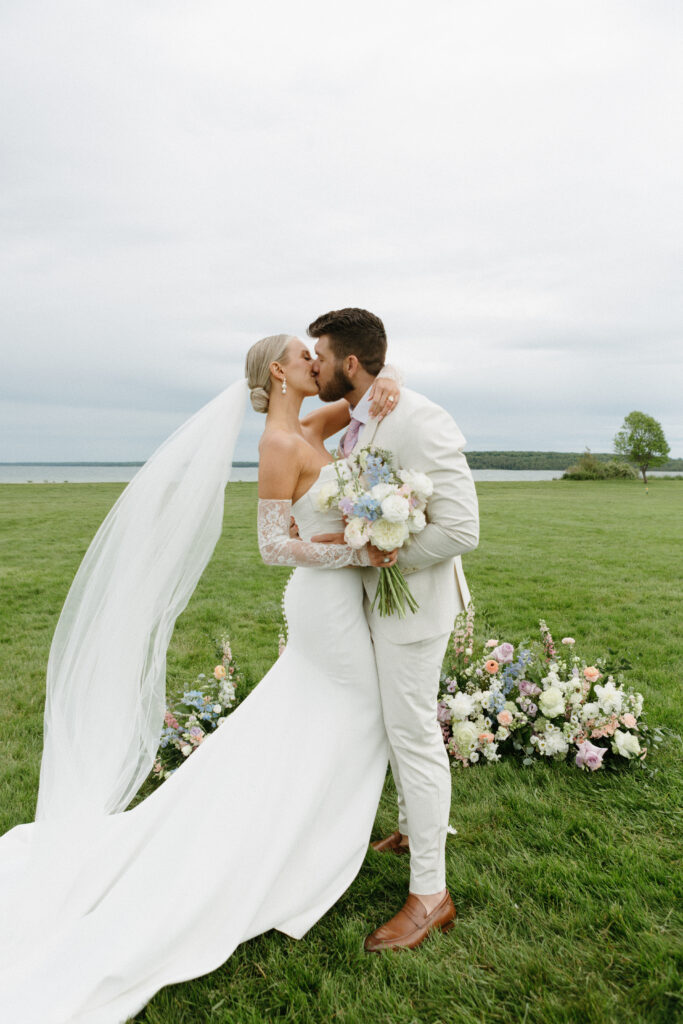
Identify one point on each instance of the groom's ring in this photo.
(390, 398)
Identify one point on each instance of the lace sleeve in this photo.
(392, 373)
(278, 548)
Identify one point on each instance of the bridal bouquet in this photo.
(383, 506)
(537, 701)
(198, 712)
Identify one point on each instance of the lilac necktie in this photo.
(348, 442)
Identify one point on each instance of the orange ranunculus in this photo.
(219, 672)
(486, 737)
(591, 674)
(492, 666)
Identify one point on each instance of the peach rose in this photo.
(492, 666)
(486, 737)
(219, 672)
(591, 674)
(504, 717)
(629, 720)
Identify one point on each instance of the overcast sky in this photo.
(499, 181)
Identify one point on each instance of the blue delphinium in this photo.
(376, 471)
(512, 672)
(368, 508)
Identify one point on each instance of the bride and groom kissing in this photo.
(268, 823)
(348, 371)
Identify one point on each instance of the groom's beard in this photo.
(338, 387)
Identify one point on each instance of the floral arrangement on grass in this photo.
(537, 701)
(383, 506)
(197, 713)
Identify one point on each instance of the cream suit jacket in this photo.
(423, 436)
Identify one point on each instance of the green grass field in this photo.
(566, 884)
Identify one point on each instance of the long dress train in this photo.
(264, 826)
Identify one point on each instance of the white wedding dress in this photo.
(264, 826)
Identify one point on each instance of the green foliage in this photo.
(589, 467)
(542, 460)
(641, 440)
(566, 884)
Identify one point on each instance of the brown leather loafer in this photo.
(411, 925)
(392, 844)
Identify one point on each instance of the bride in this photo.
(262, 837)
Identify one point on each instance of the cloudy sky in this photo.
(499, 181)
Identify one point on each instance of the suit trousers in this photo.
(409, 677)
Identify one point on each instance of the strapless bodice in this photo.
(308, 516)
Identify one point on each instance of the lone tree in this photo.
(641, 441)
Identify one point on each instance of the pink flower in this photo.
(529, 688)
(589, 756)
(491, 666)
(504, 717)
(491, 643)
(629, 720)
(568, 641)
(503, 653)
(219, 672)
(591, 674)
(170, 721)
(486, 737)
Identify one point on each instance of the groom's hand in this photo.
(329, 538)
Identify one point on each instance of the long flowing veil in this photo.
(106, 676)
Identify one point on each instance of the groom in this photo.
(350, 351)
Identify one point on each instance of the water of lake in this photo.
(15, 473)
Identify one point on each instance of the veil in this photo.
(106, 675)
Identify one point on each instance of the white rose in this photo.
(461, 705)
(502, 733)
(590, 711)
(625, 743)
(357, 532)
(417, 522)
(395, 508)
(386, 536)
(610, 699)
(474, 757)
(551, 702)
(419, 483)
(186, 749)
(324, 496)
(217, 709)
(382, 491)
(465, 735)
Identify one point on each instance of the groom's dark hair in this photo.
(354, 332)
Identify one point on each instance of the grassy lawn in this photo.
(566, 884)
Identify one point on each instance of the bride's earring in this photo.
(284, 385)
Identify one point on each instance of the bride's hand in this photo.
(384, 396)
(380, 559)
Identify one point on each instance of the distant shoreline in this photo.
(476, 459)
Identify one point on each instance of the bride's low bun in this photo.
(257, 367)
(260, 399)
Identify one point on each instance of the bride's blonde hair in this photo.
(257, 367)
